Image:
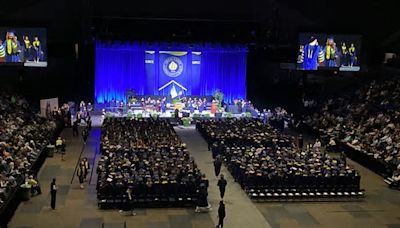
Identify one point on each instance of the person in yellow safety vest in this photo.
(87, 167)
(35, 187)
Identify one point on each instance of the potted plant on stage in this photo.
(154, 115)
(186, 121)
(218, 96)
(130, 114)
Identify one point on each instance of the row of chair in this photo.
(294, 194)
(148, 201)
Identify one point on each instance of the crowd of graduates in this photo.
(258, 155)
(147, 159)
(23, 135)
(367, 120)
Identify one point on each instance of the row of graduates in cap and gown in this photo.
(258, 155)
(148, 155)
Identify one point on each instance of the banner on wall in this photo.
(174, 78)
(48, 105)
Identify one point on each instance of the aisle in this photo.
(240, 210)
(74, 206)
(78, 207)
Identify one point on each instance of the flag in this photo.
(173, 92)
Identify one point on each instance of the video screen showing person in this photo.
(321, 51)
(23, 45)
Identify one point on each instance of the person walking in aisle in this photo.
(217, 165)
(53, 193)
(222, 186)
(221, 214)
(130, 204)
(85, 135)
(87, 167)
(81, 172)
(301, 142)
(75, 131)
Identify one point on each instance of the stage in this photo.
(171, 71)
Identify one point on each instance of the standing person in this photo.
(330, 51)
(265, 117)
(89, 122)
(130, 206)
(75, 131)
(313, 55)
(87, 167)
(301, 141)
(27, 48)
(221, 214)
(53, 193)
(37, 49)
(222, 186)
(215, 150)
(60, 146)
(217, 165)
(2, 52)
(344, 53)
(81, 172)
(85, 135)
(353, 55)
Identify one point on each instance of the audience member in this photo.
(23, 135)
(367, 119)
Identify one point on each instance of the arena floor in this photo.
(78, 208)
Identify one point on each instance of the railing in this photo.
(11, 204)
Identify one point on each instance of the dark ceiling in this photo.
(233, 20)
(271, 28)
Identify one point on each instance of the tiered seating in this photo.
(366, 123)
(23, 137)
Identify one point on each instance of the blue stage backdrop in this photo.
(172, 70)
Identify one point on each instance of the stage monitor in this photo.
(328, 52)
(23, 46)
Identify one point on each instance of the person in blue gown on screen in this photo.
(330, 52)
(313, 55)
(11, 46)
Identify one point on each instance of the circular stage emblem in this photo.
(173, 66)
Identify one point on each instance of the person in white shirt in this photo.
(317, 144)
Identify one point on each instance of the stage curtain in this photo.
(208, 67)
(119, 67)
(225, 70)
